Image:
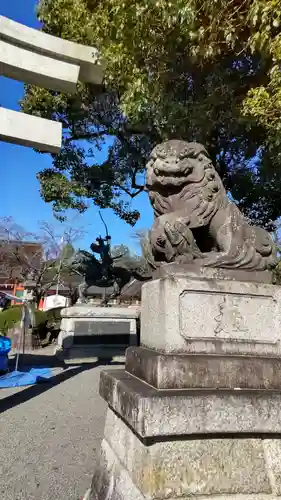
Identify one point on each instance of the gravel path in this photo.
(50, 435)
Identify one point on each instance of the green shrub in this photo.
(53, 315)
(11, 316)
(49, 329)
(40, 317)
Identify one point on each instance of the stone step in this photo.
(203, 371)
(152, 413)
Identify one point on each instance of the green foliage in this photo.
(124, 257)
(50, 325)
(205, 70)
(277, 275)
(12, 316)
(53, 316)
(44, 320)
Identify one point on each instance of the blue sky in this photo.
(19, 189)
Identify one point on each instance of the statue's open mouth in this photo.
(167, 169)
(163, 174)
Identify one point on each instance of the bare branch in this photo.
(39, 255)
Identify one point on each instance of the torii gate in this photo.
(34, 57)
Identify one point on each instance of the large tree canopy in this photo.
(191, 69)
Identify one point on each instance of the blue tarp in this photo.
(30, 377)
(5, 345)
(4, 363)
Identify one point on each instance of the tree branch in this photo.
(85, 136)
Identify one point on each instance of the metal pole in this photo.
(18, 352)
(60, 265)
(22, 336)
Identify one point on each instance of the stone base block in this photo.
(89, 332)
(87, 354)
(152, 413)
(195, 269)
(195, 371)
(209, 469)
(184, 313)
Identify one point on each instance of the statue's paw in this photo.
(183, 221)
(161, 241)
(214, 259)
(184, 259)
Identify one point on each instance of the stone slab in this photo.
(189, 466)
(33, 131)
(108, 327)
(156, 413)
(195, 270)
(176, 371)
(91, 321)
(70, 344)
(111, 481)
(78, 355)
(33, 40)
(204, 468)
(182, 314)
(89, 333)
(37, 69)
(91, 311)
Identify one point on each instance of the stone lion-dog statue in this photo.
(194, 218)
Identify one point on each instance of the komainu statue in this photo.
(194, 218)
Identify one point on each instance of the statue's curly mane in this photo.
(181, 149)
(183, 181)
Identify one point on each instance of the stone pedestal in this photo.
(183, 314)
(196, 412)
(90, 333)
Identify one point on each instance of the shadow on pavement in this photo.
(32, 360)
